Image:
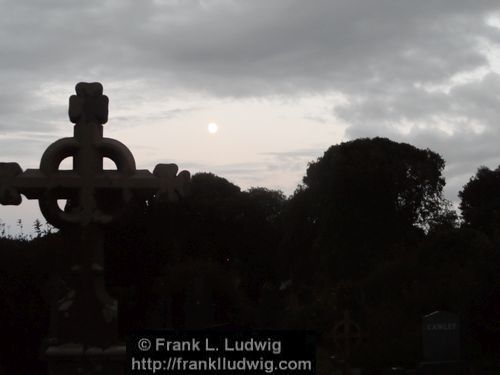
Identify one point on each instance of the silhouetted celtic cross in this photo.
(88, 188)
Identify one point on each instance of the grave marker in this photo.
(86, 335)
(441, 336)
(441, 344)
(347, 335)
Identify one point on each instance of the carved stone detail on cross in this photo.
(87, 180)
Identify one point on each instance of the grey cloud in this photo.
(463, 125)
(20, 150)
(294, 161)
(159, 115)
(378, 54)
(247, 48)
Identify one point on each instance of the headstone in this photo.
(347, 335)
(441, 336)
(84, 335)
(441, 344)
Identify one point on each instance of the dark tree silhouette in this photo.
(368, 231)
(217, 229)
(480, 201)
(361, 200)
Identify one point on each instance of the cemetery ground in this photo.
(364, 253)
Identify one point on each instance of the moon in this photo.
(212, 128)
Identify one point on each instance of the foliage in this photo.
(362, 200)
(480, 201)
(377, 182)
(367, 232)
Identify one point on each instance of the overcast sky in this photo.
(284, 80)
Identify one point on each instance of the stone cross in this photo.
(85, 331)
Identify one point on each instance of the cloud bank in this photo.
(426, 73)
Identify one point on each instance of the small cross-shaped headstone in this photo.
(87, 314)
(347, 335)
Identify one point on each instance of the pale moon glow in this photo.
(212, 128)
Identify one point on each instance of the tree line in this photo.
(368, 231)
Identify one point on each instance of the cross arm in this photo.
(33, 183)
(164, 182)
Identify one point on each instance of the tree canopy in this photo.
(368, 232)
(363, 198)
(480, 201)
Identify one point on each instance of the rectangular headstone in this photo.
(441, 337)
